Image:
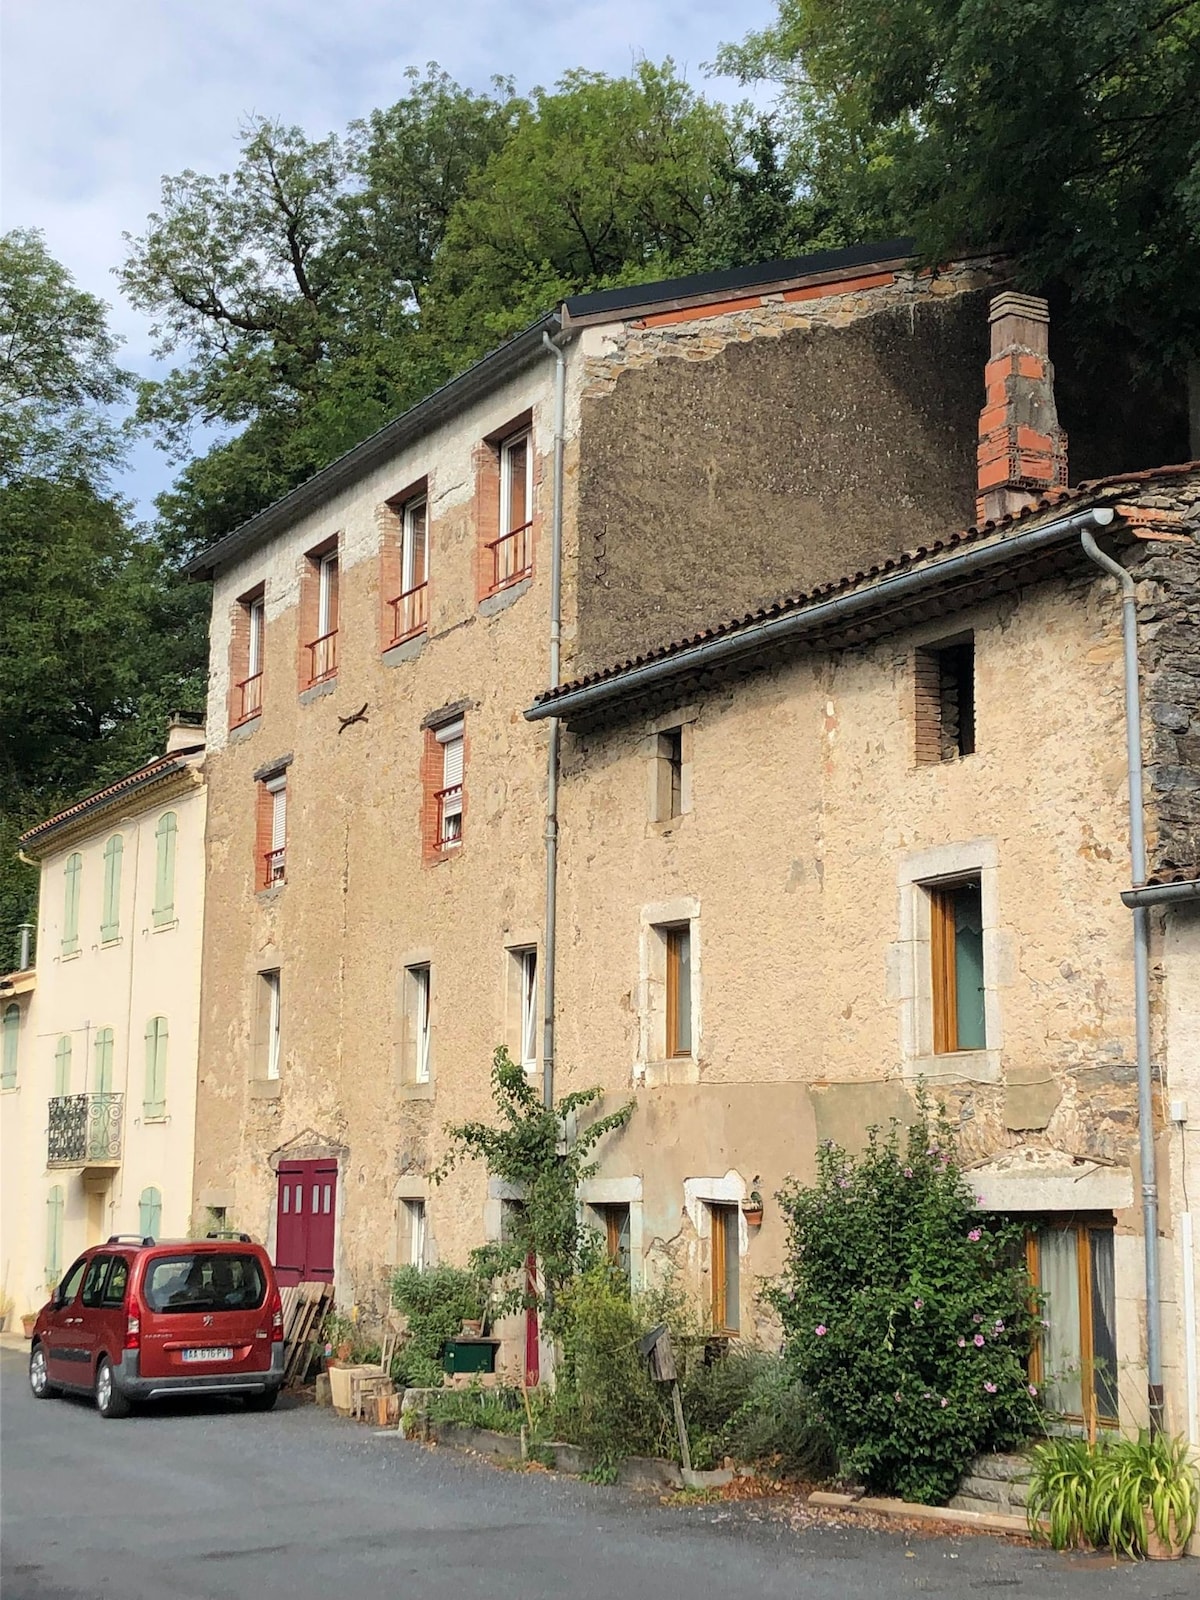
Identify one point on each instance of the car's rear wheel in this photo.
(261, 1402)
(110, 1402)
(39, 1376)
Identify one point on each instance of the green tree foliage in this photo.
(1065, 133)
(905, 1320)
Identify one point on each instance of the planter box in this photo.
(339, 1385)
(485, 1442)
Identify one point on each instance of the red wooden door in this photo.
(304, 1221)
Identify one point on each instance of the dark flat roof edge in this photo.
(579, 306)
(478, 380)
(117, 793)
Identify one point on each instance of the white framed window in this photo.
(516, 483)
(670, 1026)
(450, 796)
(414, 546)
(412, 1240)
(277, 849)
(327, 594)
(270, 1010)
(256, 619)
(527, 973)
(417, 998)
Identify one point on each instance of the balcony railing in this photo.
(450, 816)
(512, 556)
(274, 866)
(322, 657)
(85, 1130)
(250, 697)
(410, 612)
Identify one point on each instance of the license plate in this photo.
(216, 1352)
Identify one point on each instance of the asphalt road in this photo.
(208, 1502)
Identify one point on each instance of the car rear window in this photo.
(204, 1281)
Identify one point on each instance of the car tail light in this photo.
(276, 1318)
(133, 1332)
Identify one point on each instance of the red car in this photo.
(139, 1319)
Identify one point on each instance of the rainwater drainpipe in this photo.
(551, 835)
(1141, 967)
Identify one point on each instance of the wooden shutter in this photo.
(110, 920)
(54, 1235)
(150, 1213)
(12, 1034)
(62, 1066)
(164, 869)
(73, 872)
(103, 1062)
(155, 1099)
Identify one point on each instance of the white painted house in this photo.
(99, 1032)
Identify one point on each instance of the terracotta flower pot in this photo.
(1158, 1548)
(472, 1327)
(753, 1216)
(28, 1323)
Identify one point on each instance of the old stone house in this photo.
(763, 857)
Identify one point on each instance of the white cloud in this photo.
(103, 97)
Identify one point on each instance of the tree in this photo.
(1064, 133)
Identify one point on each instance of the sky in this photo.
(100, 98)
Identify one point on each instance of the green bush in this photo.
(500, 1409)
(905, 1318)
(775, 1423)
(1099, 1494)
(436, 1302)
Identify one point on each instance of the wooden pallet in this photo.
(305, 1306)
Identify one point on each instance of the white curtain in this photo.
(1059, 1283)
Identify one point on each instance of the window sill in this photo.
(10, 1088)
(406, 649)
(266, 893)
(165, 927)
(314, 691)
(667, 1073)
(243, 730)
(417, 1091)
(957, 1066)
(70, 955)
(111, 944)
(508, 594)
(245, 722)
(266, 1088)
(150, 1122)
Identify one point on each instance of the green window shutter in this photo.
(54, 1235)
(164, 869)
(104, 1062)
(110, 919)
(62, 1066)
(12, 1034)
(155, 1102)
(70, 936)
(150, 1214)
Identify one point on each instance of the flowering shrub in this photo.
(905, 1318)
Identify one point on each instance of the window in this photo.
(671, 775)
(525, 1005)
(450, 796)
(73, 872)
(54, 1239)
(945, 701)
(165, 833)
(1075, 1362)
(215, 1218)
(267, 1026)
(956, 951)
(416, 1015)
(679, 990)
(102, 1061)
(725, 1269)
(62, 1066)
(512, 551)
(118, 1276)
(93, 1281)
(12, 1038)
(615, 1220)
(110, 919)
(155, 1099)
(410, 608)
(319, 615)
(272, 830)
(412, 1234)
(246, 665)
(150, 1213)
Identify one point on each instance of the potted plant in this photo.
(6, 1306)
(1061, 1493)
(752, 1208)
(1146, 1495)
(27, 1323)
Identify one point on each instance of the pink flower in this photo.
(896, 1396)
(979, 1341)
(945, 1403)
(975, 1235)
(999, 1326)
(908, 1172)
(917, 1304)
(962, 1344)
(822, 1330)
(990, 1388)
(1033, 1390)
(977, 1317)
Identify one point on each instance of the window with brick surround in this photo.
(271, 832)
(444, 797)
(246, 657)
(944, 678)
(319, 615)
(406, 571)
(956, 955)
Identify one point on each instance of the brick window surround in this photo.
(443, 790)
(319, 614)
(507, 472)
(404, 566)
(270, 832)
(246, 652)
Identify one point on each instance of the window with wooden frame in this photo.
(319, 608)
(615, 1220)
(408, 608)
(670, 790)
(725, 1268)
(271, 845)
(678, 940)
(417, 996)
(944, 677)
(512, 549)
(1074, 1363)
(956, 957)
(246, 657)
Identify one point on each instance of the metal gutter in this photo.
(551, 908)
(1162, 894)
(774, 631)
(479, 380)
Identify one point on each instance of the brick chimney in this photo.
(1022, 449)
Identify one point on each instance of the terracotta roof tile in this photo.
(160, 767)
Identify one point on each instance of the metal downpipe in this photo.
(1141, 976)
(551, 835)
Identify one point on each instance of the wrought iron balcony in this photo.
(85, 1130)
